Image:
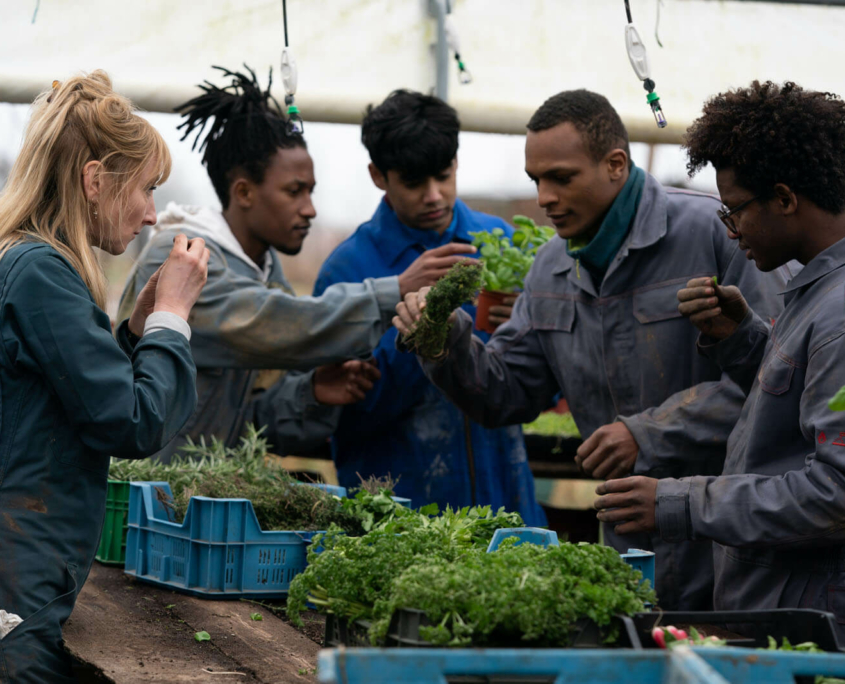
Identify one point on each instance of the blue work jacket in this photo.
(405, 426)
(71, 396)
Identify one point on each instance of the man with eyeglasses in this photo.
(599, 322)
(776, 513)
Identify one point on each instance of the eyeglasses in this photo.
(727, 214)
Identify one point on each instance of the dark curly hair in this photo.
(411, 133)
(768, 134)
(593, 117)
(247, 129)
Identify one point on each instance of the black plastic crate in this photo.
(405, 626)
(753, 627)
(343, 632)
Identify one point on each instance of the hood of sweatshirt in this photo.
(210, 224)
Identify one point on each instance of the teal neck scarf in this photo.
(597, 254)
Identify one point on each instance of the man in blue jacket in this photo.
(406, 427)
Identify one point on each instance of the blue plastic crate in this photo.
(530, 535)
(639, 560)
(564, 666)
(540, 666)
(334, 490)
(219, 550)
(753, 666)
(642, 561)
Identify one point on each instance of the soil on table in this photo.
(126, 631)
(315, 623)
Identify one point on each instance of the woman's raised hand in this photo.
(182, 277)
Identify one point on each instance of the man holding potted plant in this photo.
(405, 427)
(507, 261)
(598, 321)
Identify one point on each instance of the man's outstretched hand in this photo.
(432, 265)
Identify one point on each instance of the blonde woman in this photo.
(70, 394)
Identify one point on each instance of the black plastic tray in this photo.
(753, 626)
(405, 626)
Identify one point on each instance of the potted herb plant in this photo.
(506, 262)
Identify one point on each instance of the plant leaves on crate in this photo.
(245, 472)
(349, 575)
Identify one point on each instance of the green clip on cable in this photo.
(639, 61)
(295, 124)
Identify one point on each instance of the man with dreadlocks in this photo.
(776, 513)
(247, 319)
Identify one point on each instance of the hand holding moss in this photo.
(424, 318)
(716, 310)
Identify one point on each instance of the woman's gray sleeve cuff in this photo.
(165, 320)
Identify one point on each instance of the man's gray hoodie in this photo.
(248, 328)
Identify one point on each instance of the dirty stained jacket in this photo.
(71, 396)
(620, 348)
(247, 326)
(777, 512)
(405, 427)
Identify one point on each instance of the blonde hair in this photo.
(78, 121)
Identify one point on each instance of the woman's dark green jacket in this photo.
(71, 396)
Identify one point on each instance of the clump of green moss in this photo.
(458, 286)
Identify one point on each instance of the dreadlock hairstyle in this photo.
(770, 133)
(247, 129)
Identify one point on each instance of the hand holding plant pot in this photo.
(506, 263)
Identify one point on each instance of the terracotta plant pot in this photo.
(486, 299)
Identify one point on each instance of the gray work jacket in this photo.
(243, 327)
(777, 514)
(618, 348)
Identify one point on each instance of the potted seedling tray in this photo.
(748, 628)
(404, 630)
(219, 550)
